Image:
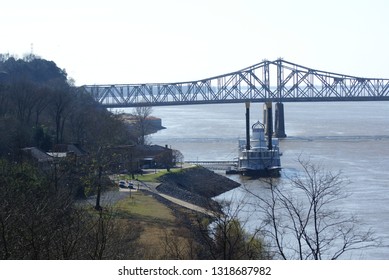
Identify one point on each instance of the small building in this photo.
(156, 156)
(133, 158)
(45, 160)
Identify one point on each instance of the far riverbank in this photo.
(151, 124)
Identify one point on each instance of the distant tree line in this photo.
(40, 106)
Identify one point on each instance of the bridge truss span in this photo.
(268, 81)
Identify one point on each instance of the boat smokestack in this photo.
(247, 125)
(269, 121)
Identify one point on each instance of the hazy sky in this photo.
(140, 41)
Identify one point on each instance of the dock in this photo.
(227, 165)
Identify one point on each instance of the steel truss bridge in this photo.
(268, 81)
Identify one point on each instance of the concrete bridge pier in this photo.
(267, 117)
(279, 122)
(279, 125)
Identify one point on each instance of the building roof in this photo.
(69, 148)
(38, 154)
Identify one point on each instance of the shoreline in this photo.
(198, 186)
(153, 124)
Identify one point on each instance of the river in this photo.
(349, 136)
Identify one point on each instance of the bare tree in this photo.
(42, 99)
(225, 237)
(178, 157)
(142, 126)
(304, 220)
(60, 108)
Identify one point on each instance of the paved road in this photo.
(108, 198)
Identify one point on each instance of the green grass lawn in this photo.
(156, 219)
(152, 176)
(144, 206)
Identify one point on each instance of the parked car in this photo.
(125, 185)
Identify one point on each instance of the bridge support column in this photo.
(279, 121)
(268, 118)
(248, 126)
(268, 121)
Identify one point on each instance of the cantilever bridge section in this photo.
(268, 81)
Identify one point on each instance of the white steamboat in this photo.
(259, 153)
(260, 156)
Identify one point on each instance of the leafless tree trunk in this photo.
(59, 107)
(141, 114)
(304, 220)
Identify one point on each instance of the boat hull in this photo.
(274, 172)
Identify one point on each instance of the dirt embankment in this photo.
(196, 185)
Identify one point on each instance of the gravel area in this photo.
(196, 185)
